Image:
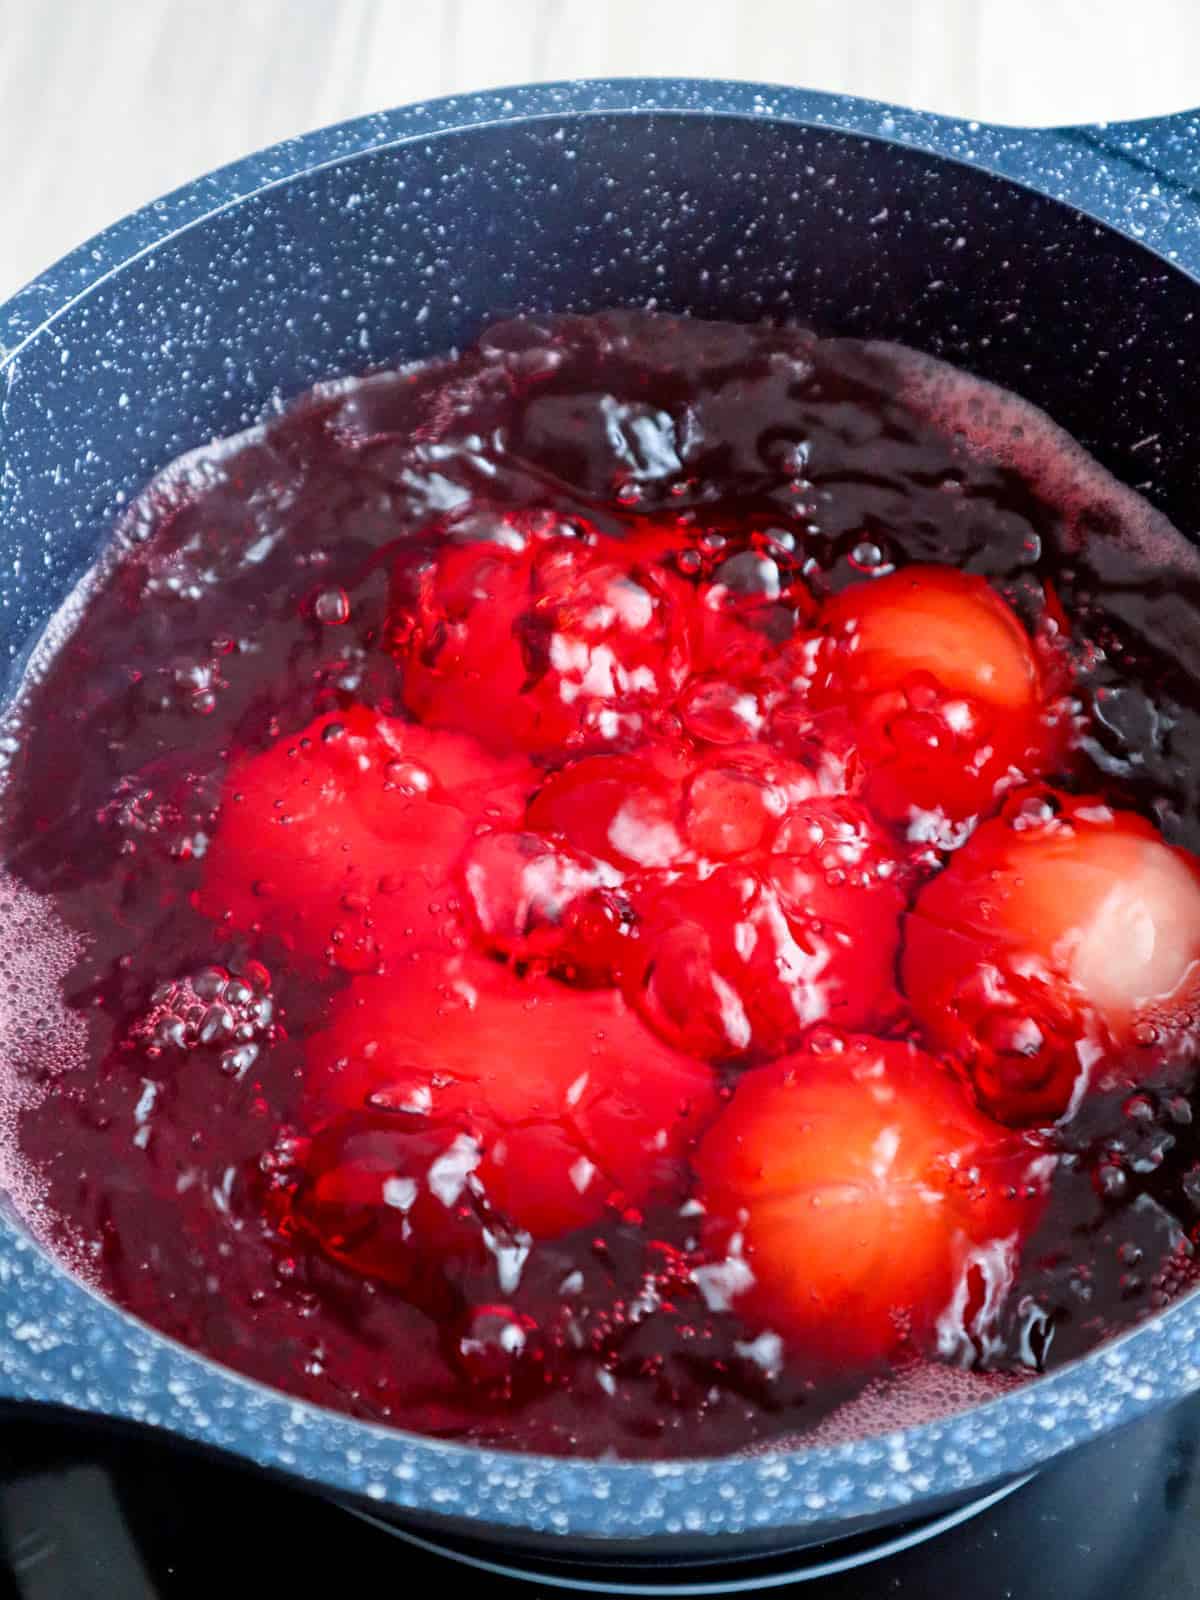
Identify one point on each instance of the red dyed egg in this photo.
(574, 1104)
(342, 840)
(865, 1209)
(1059, 929)
(945, 690)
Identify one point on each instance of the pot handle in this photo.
(1141, 177)
(1159, 146)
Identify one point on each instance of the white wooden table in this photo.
(105, 104)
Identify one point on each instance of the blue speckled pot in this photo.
(1055, 263)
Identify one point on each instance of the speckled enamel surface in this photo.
(396, 235)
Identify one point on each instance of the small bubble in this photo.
(867, 557)
(209, 984)
(1179, 1108)
(500, 1349)
(257, 976)
(238, 1060)
(1027, 813)
(410, 777)
(1111, 1181)
(217, 1020)
(332, 606)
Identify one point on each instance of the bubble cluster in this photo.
(923, 1393)
(214, 1012)
(1001, 427)
(43, 1043)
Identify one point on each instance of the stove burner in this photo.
(736, 1575)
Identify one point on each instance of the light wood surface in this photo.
(105, 104)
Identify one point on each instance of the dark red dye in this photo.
(494, 796)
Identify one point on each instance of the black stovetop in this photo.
(85, 1516)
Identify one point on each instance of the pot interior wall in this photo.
(406, 251)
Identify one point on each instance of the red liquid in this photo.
(178, 1154)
